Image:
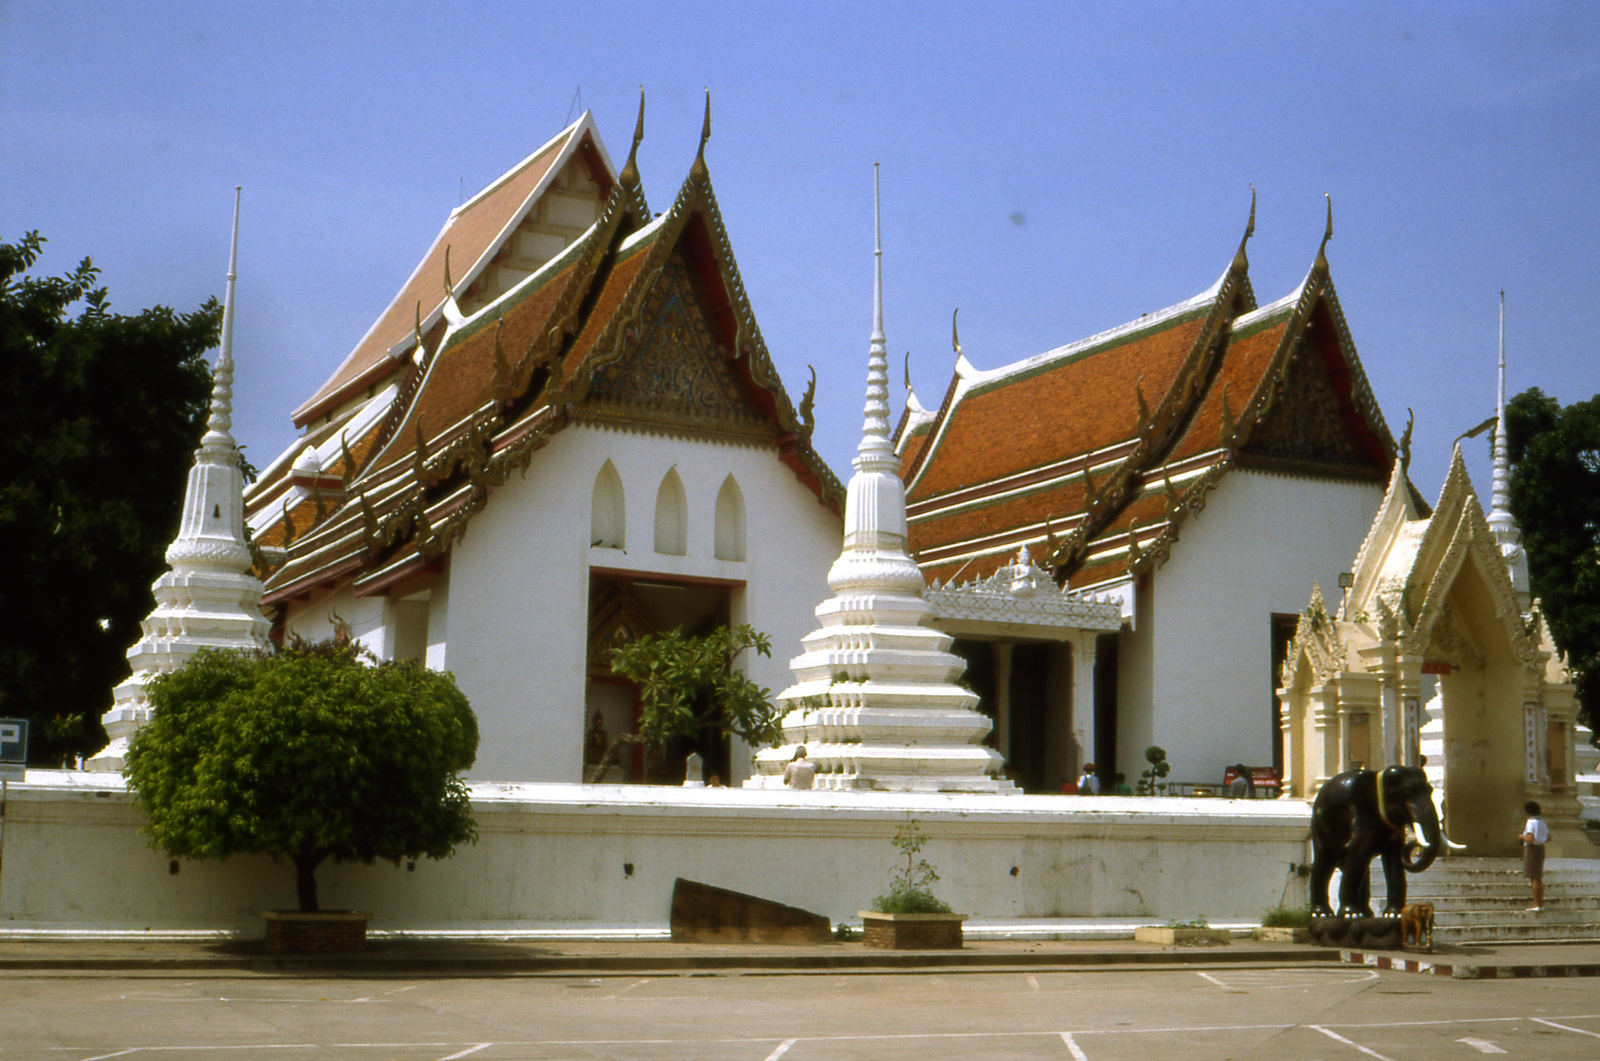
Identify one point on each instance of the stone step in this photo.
(1509, 933)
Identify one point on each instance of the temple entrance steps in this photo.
(1483, 900)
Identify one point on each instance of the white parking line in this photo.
(1033, 981)
(1073, 1048)
(1564, 1028)
(1483, 1046)
(467, 1052)
(782, 1049)
(630, 987)
(1348, 1042)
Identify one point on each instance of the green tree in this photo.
(1555, 495)
(313, 753)
(101, 415)
(689, 686)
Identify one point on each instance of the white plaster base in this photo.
(606, 856)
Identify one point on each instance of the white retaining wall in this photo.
(73, 858)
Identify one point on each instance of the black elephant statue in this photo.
(1361, 815)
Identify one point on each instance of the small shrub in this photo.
(1285, 917)
(909, 891)
(1156, 756)
(846, 933)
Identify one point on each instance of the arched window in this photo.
(730, 521)
(672, 516)
(607, 511)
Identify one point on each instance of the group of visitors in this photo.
(1089, 784)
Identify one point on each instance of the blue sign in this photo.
(13, 740)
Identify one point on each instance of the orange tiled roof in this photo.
(471, 233)
(502, 382)
(1101, 450)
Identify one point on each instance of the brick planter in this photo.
(325, 931)
(912, 931)
(1170, 936)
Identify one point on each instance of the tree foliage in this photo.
(314, 753)
(1555, 495)
(101, 416)
(689, 684)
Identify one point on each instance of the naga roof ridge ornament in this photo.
(629, 177)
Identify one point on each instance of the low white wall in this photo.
(74, 858)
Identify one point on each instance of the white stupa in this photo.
(209, 599)
(875, 701)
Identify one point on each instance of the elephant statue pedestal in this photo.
(1375, 933)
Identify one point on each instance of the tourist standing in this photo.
(801, 772)
(1089, 783)
(1535, 834)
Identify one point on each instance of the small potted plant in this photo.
(910, 916)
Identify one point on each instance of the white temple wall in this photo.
(1255, 549)
(509, 617)
(608, 855)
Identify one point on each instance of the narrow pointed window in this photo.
(730, 521)
(607, 511)
(672, 516)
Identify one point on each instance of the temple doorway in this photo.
(623, 607)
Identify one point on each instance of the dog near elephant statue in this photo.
(1358, 816)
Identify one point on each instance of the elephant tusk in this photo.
(1451, 843)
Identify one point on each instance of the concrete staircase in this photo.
(1483, 900)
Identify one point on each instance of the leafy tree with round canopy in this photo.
(689, 685)
(101, 414)
(313, 753)
(1555, 495)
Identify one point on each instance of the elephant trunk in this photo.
(1418, 857)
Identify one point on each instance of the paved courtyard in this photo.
(1269, 1013)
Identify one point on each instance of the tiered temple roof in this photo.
(1096, 453)
(635, 322)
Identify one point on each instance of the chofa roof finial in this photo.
(698, 171)
(1240, 262)
(1327, 234)
(955, 332)
(630, 170)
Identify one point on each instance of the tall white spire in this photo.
(1501, 522)
(209, 598)
(875, 701)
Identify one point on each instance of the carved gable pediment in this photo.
(673, 376)
(1317, 647)
(1306, 425)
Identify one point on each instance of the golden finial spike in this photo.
(1240, 262)
(630, 171)
(698, 170)
(955, 332)
(416, 329)
(908, 371)
(1327, 234)
(449, 288)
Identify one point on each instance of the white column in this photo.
(1083, 661)
(1002, 697)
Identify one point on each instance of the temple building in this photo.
(564, 431)
(1251, 430)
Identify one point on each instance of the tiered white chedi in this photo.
(875, 702)
(209, 599)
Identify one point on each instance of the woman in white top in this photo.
(1535, 835)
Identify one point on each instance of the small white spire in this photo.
(875, 448)
(1501, 522)
(1500, 500)
(221, 422)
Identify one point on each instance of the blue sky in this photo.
(1052, 169)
